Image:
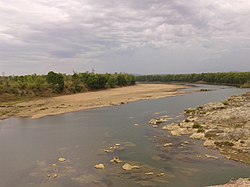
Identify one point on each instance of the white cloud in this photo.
(50, 31)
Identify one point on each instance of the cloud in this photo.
(81, 32)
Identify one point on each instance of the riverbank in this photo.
(236, 183)
(224, 126)
(38, 108)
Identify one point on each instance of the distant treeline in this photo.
(57, 83)
(232, 78)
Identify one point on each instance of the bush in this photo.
(197, 126)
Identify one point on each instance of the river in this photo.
(29, 148)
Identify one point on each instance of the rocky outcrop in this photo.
(224, 126)
(236, 183)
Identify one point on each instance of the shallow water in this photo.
(28, 148)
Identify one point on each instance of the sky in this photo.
(133, 36)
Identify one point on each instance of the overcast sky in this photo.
(134, 36)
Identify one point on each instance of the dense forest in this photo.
(14, 87)
(231, 78)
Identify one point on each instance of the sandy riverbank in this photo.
(89, 100)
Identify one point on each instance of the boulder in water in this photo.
(99, 166)
(61, 159)
(129, 167)
(116, 160)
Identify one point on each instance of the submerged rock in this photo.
(149, 173)
(210, 156)
(99, 166)
(128, 167)
(167, 144)
(61, 159)
(160, 120)
(160, 174)
(116, 160)
(52, 176)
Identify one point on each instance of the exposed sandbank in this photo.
(89, 100)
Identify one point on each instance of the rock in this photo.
(186, 124)
(149, 173)
(164, 128)
(61, 159)
(136, 124)
(210, 156)
(175, 133)
(129, 167)
(117, 144)
(171, 127)
(165, 118)
(154, 121)
(155, 126)
(190, 111)
(236, 183)
(159, 120)
(186, 142)
(107, 150)
(160, 174)
(54, 165)
(204, 90)
(99, 166)
(116, 160)
(213, 106)
(198, 136)
(168, 144)
(180, 131)
(209, 143)
(52, 176)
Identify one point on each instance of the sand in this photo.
(89, 100)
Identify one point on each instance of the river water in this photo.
(29, 148)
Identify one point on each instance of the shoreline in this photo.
(223, 126)
(89, 100)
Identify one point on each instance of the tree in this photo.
(57, 81)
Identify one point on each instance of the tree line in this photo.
(231, 78)
(56, 83)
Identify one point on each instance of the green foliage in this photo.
(197, 126)
(200, 130)
(56, 83)
(231, 78)
(56, 79)
(224, 143)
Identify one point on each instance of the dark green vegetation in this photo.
(232, 78)
(16, 87)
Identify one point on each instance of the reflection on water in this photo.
(30, 148)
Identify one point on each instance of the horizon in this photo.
(4, 75)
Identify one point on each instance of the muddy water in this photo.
(28, 148)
